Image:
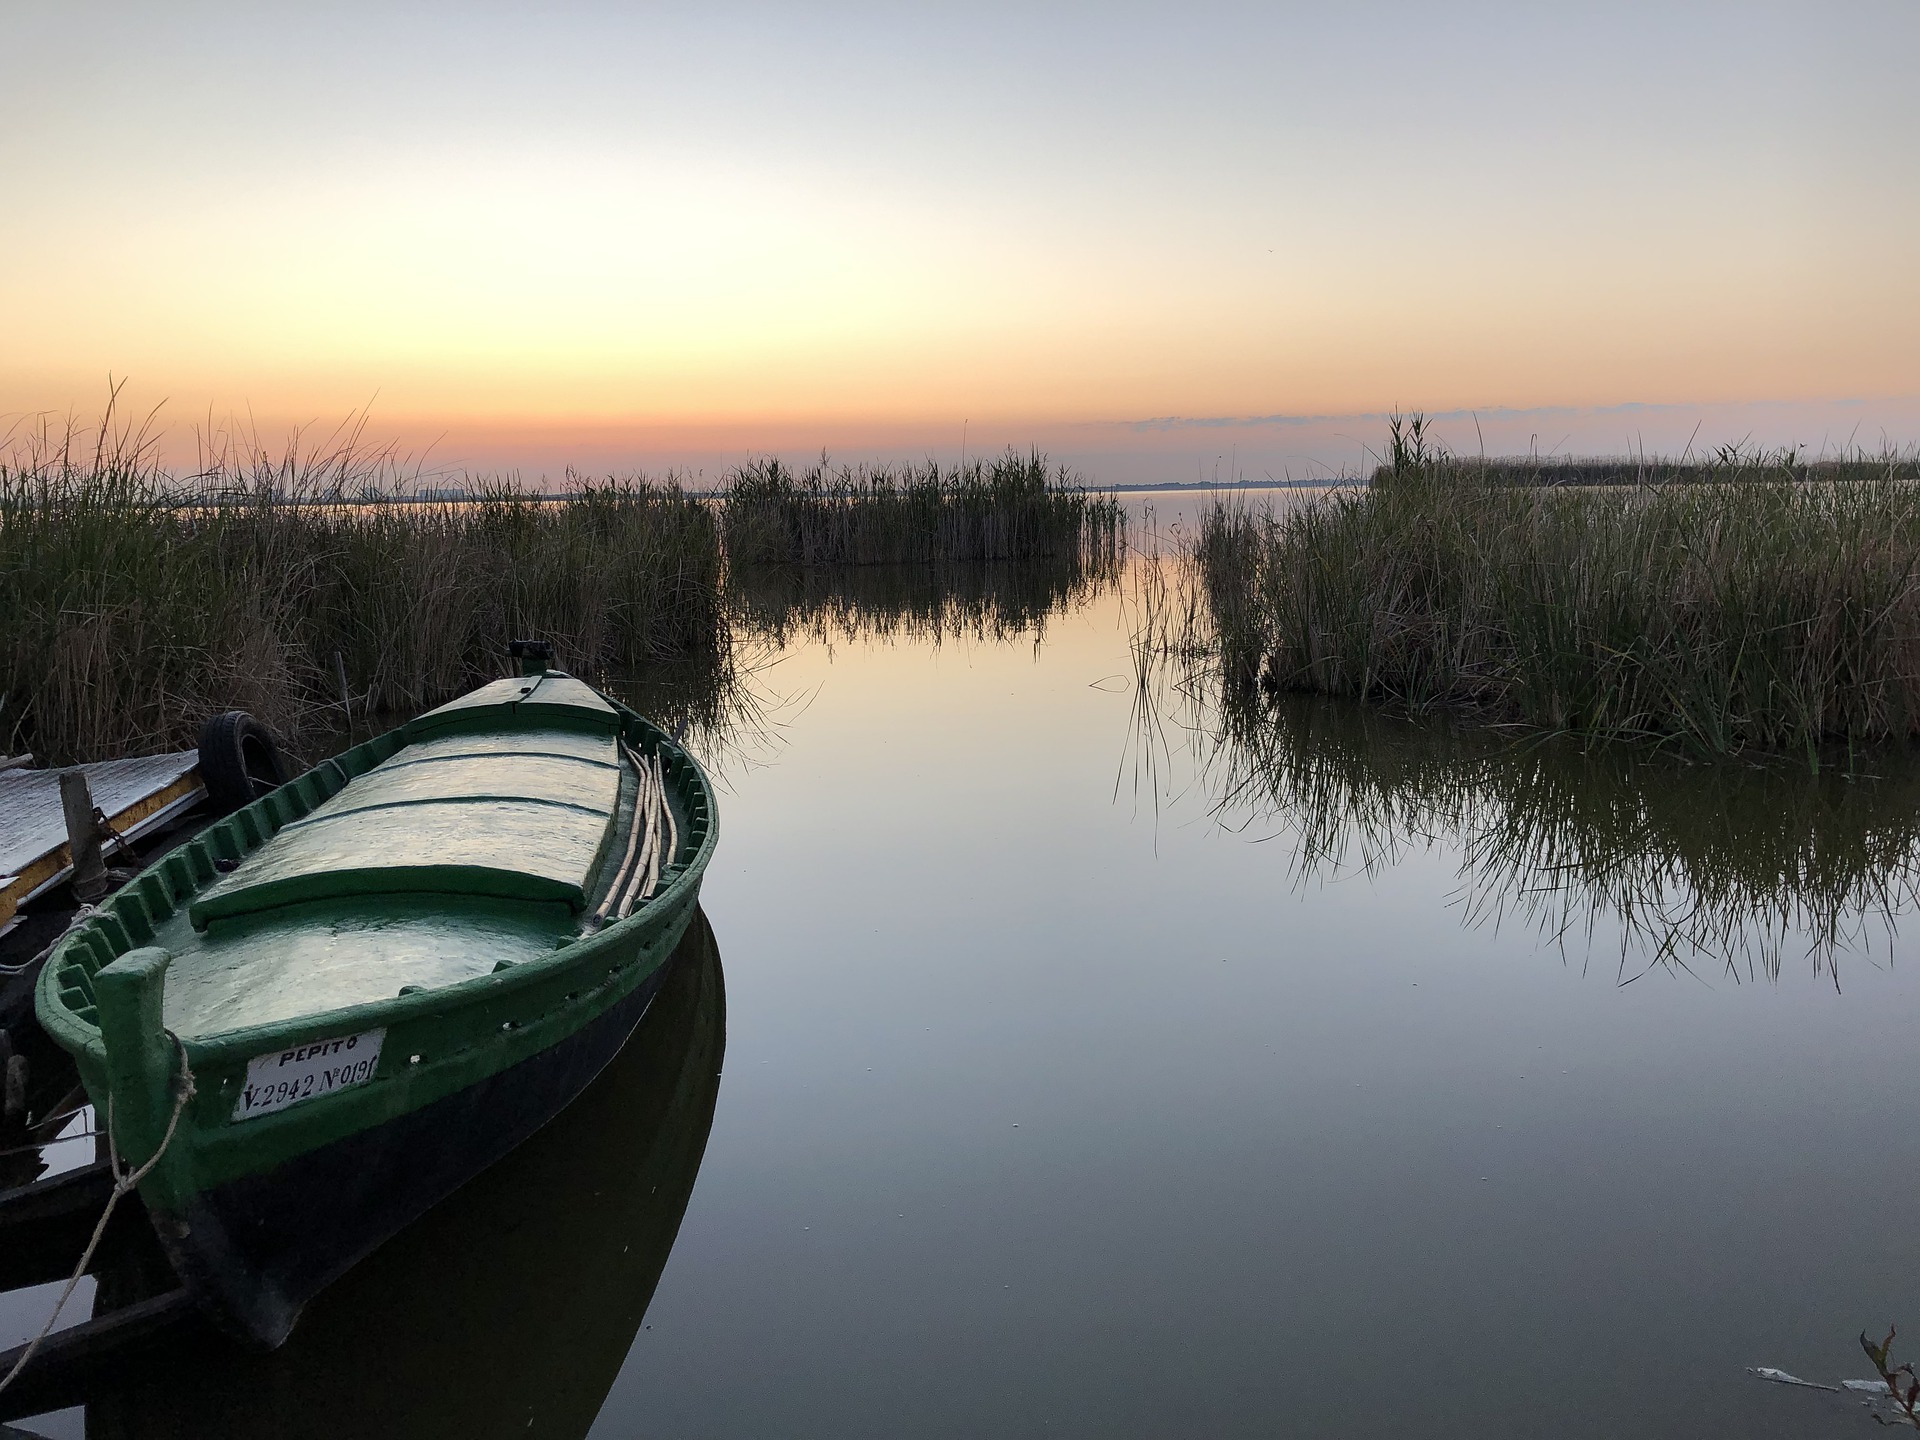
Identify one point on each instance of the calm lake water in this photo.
(1059, 1065)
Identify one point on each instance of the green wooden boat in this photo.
(516, 1301)
(381, 977)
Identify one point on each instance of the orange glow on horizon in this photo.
(599, 256)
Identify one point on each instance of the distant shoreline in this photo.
(457, 495)
(1322, 484)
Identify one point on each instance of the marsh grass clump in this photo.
(318, 589)
(1012, 510)
(1413, 454)
(138, 602)
(1740, 866)
(1757, 609)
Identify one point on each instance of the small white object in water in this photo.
(1781, 1377)
(1867, 1387)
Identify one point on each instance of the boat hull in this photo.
(516, 1300)
(272, 1154)
(258, 1248)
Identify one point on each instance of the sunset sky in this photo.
(1156, 240)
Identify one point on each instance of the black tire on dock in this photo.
(239, 761)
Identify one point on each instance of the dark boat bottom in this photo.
(258, 1249)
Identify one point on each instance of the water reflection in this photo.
(785, 604)
(723, 707)
(508, 1309)
(1740, 867)
(1229, 1147)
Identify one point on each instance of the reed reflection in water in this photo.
(1742, 867)
(508, 1309)
(780, 605)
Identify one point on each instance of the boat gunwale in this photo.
(224, 1048)
(441, 1073)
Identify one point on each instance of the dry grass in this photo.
(1012, 510)
(137, 603)
(1742, 867)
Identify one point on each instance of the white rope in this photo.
(122, 1183)
(72, 925)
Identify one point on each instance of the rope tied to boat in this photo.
(79, 919)
(123, 1181)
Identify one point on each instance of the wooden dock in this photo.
(136, 796)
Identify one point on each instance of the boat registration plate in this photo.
(306, 1072)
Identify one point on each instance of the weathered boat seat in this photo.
(265, 968)
(509, 793)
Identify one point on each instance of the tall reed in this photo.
(136, 603)
(1744, 866)
(1729, 463)
(1014, 509)
(1757, 610)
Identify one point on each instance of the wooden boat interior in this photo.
(485, 834)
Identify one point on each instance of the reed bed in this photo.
(1013, 509)
(1741, 866)
(1759, 611)
(314, 590)
(1727, 464)
(137, 603)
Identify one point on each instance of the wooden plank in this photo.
(44, 1226)
(70, 1364)
(30, 821)
(136, 796)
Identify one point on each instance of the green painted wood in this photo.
(271, 969)
(551, 699)
(408, 779)
(492, 974)
(139, 1056)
